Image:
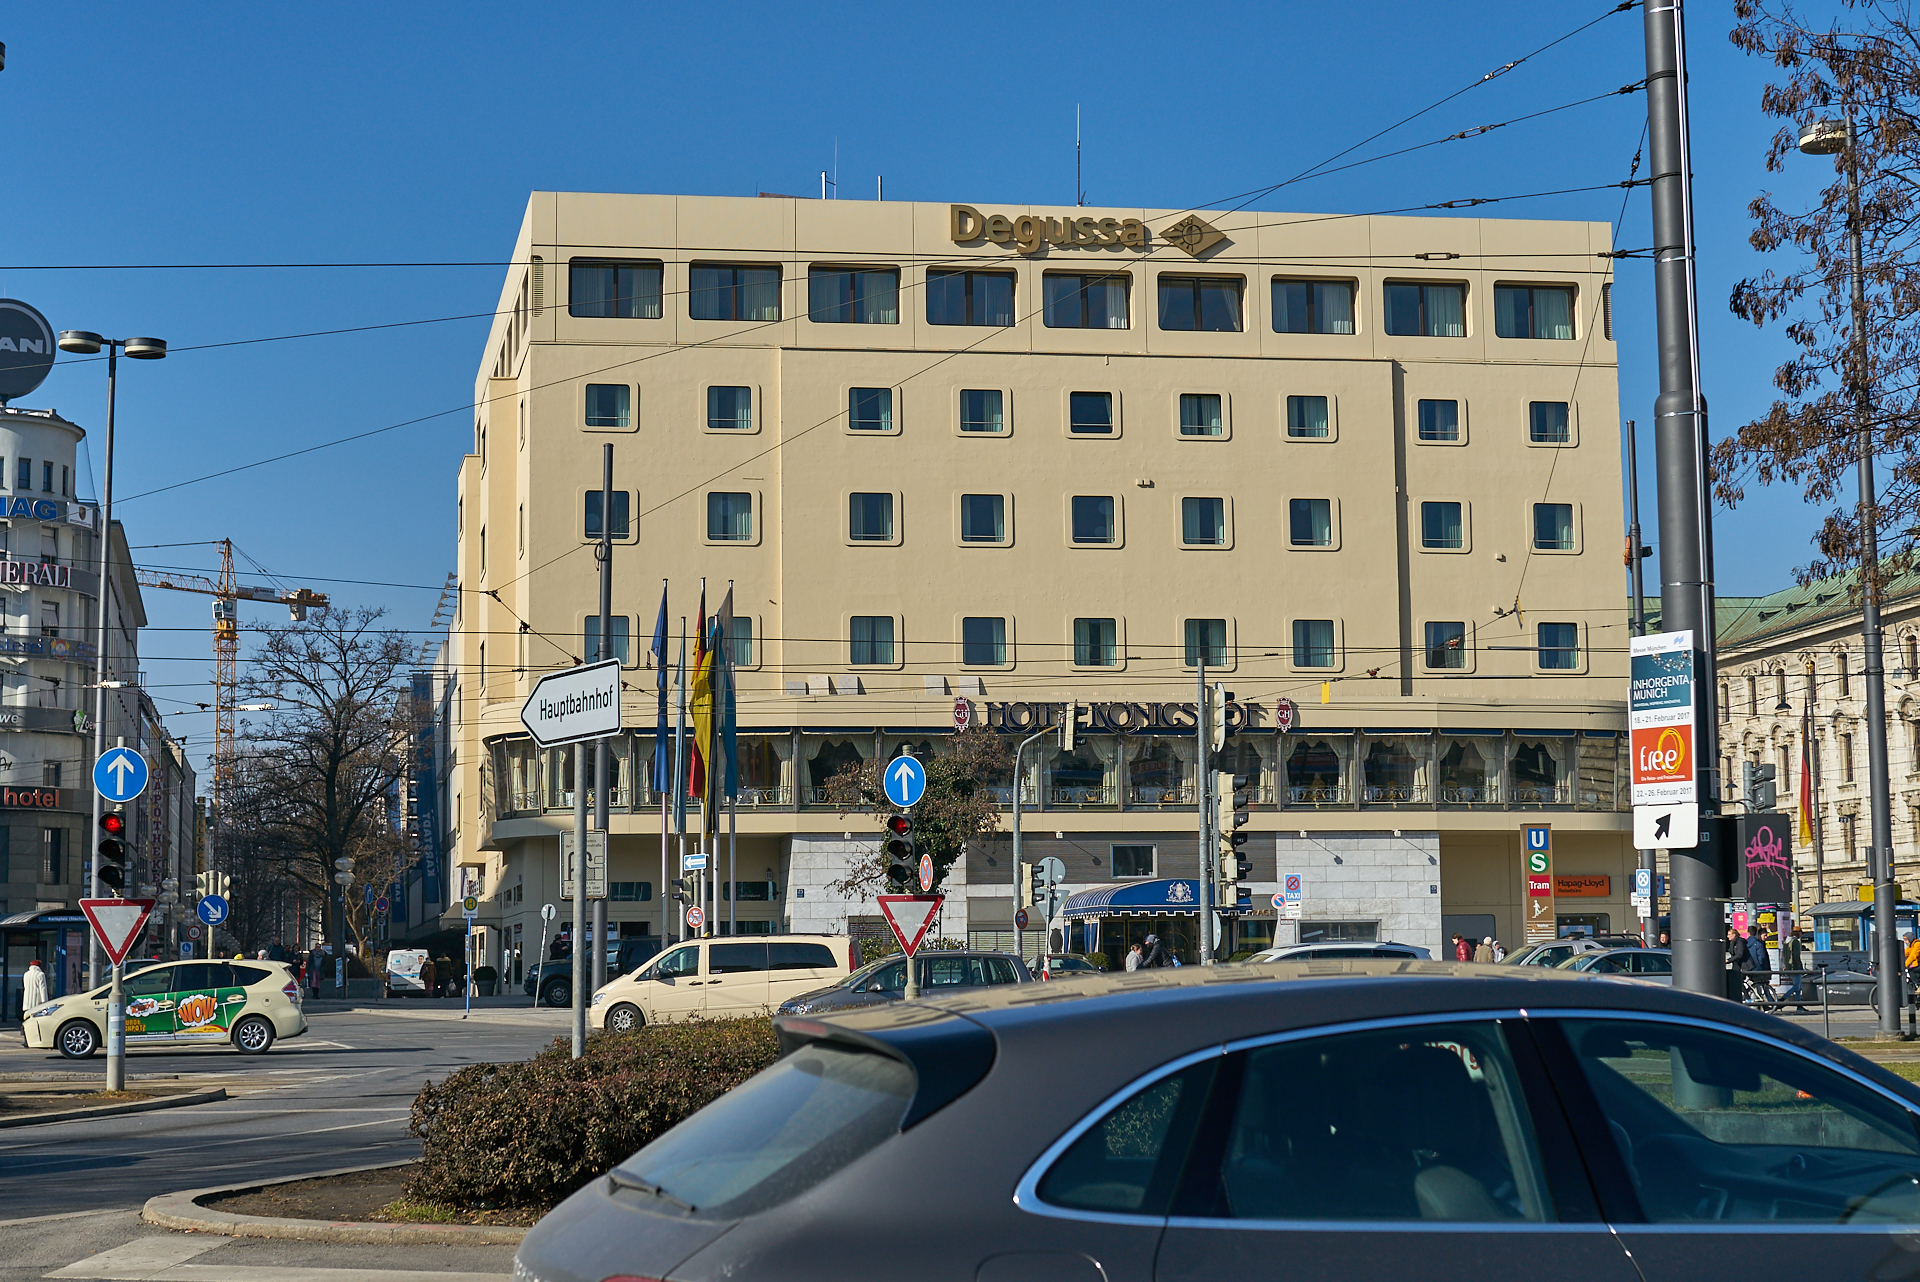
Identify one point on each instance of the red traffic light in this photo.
(899, 825)
(113, 825)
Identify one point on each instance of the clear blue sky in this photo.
(268, 133)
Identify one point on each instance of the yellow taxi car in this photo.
(191, 1003)
(720, 978)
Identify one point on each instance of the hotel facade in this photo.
(1036, 459)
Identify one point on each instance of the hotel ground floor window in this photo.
(1392, 768)
(1316, 773)
(1469, 768)
(983, 642)
(1157, 774)
(827, 757)
(1538, 770)
(1132, 861)
(1094, 643)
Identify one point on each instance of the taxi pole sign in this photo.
(1537, 849)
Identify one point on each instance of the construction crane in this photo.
(227, 595)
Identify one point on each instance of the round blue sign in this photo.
(213, 909)
(904, 780)
(120, 775)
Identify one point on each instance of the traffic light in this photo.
(1216, 717)
(1759, 785)
(112, 851)
(1036, 885)
(900, 856)
(1069, 713)
(1230, 815)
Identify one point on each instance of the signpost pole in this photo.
(100, 666)
(603, 749)
(579, 985)
(117, 1031)
(469, 1010)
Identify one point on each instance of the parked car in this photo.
(717, 978)
(247, 1003)
(1655, 965)
(1554, 951)
(1176, 1127)
(554, 979)
(1062, 964)
(1347, 951)
(883, 981)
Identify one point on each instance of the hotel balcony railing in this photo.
(1002, 794)
(1394, 794)
(1147, 794)
(1319, 794)
(1539, 794)
(1098, 794)
(1469, 794)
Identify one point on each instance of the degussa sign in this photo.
(1660, 718)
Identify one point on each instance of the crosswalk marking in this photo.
(144, 1257)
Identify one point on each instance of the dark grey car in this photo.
(1415, 1119)
(885, 980)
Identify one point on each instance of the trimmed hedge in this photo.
(528, 1134)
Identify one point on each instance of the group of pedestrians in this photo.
(1151, 955)
(1750, 968)
(1488, 949)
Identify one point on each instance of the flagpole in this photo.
(678, 784)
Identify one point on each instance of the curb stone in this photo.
(114, 1110)
(183, 1211)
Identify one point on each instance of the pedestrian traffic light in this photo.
(1230, 814)
(1759, 785)
(112, 851)
(900, 856)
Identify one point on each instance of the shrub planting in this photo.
(528, 1134)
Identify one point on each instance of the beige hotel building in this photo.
(1025, 456)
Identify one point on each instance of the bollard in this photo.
(1826, 1012)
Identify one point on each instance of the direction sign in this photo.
(580, 703)
(904, 782)
(116, 923)
(962, 713)
(213, 909)
(926, 872)
(695, 918)
(692, 861)
(910, 915)
(120, 775)
(1674, 826)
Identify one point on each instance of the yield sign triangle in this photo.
(116, 923)
(910, 916)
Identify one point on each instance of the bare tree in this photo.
(1863, 67)
(316, 778)
(959, 806)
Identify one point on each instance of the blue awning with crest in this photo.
(1161, 897)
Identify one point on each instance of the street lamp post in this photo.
(1829, 138)
(86, 343)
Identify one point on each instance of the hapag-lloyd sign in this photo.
(1135, 718)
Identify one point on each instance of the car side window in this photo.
(194, 977)
(681, 963)
(893, 978)
(1130, 1159)
(1001, 971)
(149, 983)
(1652, 964)
(946, 972)
(735, 959)
(1610, 965)
(1716, 1127)
(1422, 1122)
(248, 976)
(800, 957)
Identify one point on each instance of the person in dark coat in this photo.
(1156, 955)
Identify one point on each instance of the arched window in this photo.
(1779, 687)
(1840, 656)
(1910, 647)
(1726, 709)
(1753, 696)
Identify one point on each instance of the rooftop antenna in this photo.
(1079, 192)
(836, 169)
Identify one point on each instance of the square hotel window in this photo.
(730, 409)
(1310, 523)
(870, 640)
(1094, 643)
(1439, 420)
(983, 642)
(983, 410)
(1090, 413)
(1548, 423)
(983, 518)
(1200, 414)
(1313, 643)
(1553, 527)
(1092, 518)
(1206, 639)
(1203, 522)
(870, 517)
(729, 517)
(609, 405)
(1307, 418)
(870, 409)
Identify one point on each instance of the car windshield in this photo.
(780, 1134)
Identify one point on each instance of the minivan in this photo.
(720, 978)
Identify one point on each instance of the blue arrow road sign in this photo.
(213, 909)
(904, 782)
(120, 775)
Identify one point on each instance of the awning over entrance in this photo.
(55, 920)
(1162, 897)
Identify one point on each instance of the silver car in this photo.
(1655, 965)
(1386, 950)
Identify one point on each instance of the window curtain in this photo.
(1291, 314)
(1553, 313)
(759, 293)
(1107, 302)
(1203, 521)
(1446, 311)
(1333, 307)
(876, 298)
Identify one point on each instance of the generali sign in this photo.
(38, 573)
(1031, 233)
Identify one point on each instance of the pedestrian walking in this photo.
(1133, 958)
(1484, 952)
(1793, 963)
(1155, 956)
(33, 988)
(1462, 950)
(1499, 951)
(1762, 973)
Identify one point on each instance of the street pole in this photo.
(104, 600)
(117, 1031)
(602, 748)
(1203, 784)
(1813, 798)
(1648, 858)
(1019, 869)
(1686, 520)
(578, 985)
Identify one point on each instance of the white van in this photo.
(720, 978)
(404, 978)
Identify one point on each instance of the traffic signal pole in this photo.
(102, 602)
(601, 749)
(1680, 454)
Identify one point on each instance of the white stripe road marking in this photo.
(70, 1215)
(149, 1152)
(143, 1257)
(227, 1273)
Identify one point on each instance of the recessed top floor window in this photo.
(983, 642)
(1532, 311)
(730, 517)
(1446, 645)
(870, 517)
(1084, 302)
(614, 287)
(1094, 643)
(1553, 527)
(1206, 640)
(733, 293)
(853, 296)
(1090, 413)
(870, 640)
(46, 478)
(1442, 525)
(870, 409)
(1312, 306)
(983, 518)
(609, 405)
(983, 410)
(1310, 523)
(621, 500)
(730, 409)
(1426, 311)
(1200, 414)
(23, 479)
(1549, 423)
(1092, 518)
(1439, 420)
(969, 298)
(1203, 522)
(1200, 303)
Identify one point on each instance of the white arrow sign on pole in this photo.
(580, 703)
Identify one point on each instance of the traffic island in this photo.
(354, 1204)
(42, 1103)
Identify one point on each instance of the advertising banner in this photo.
(1660, 718)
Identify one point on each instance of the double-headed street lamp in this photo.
(1831, 138)
(86, 343)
